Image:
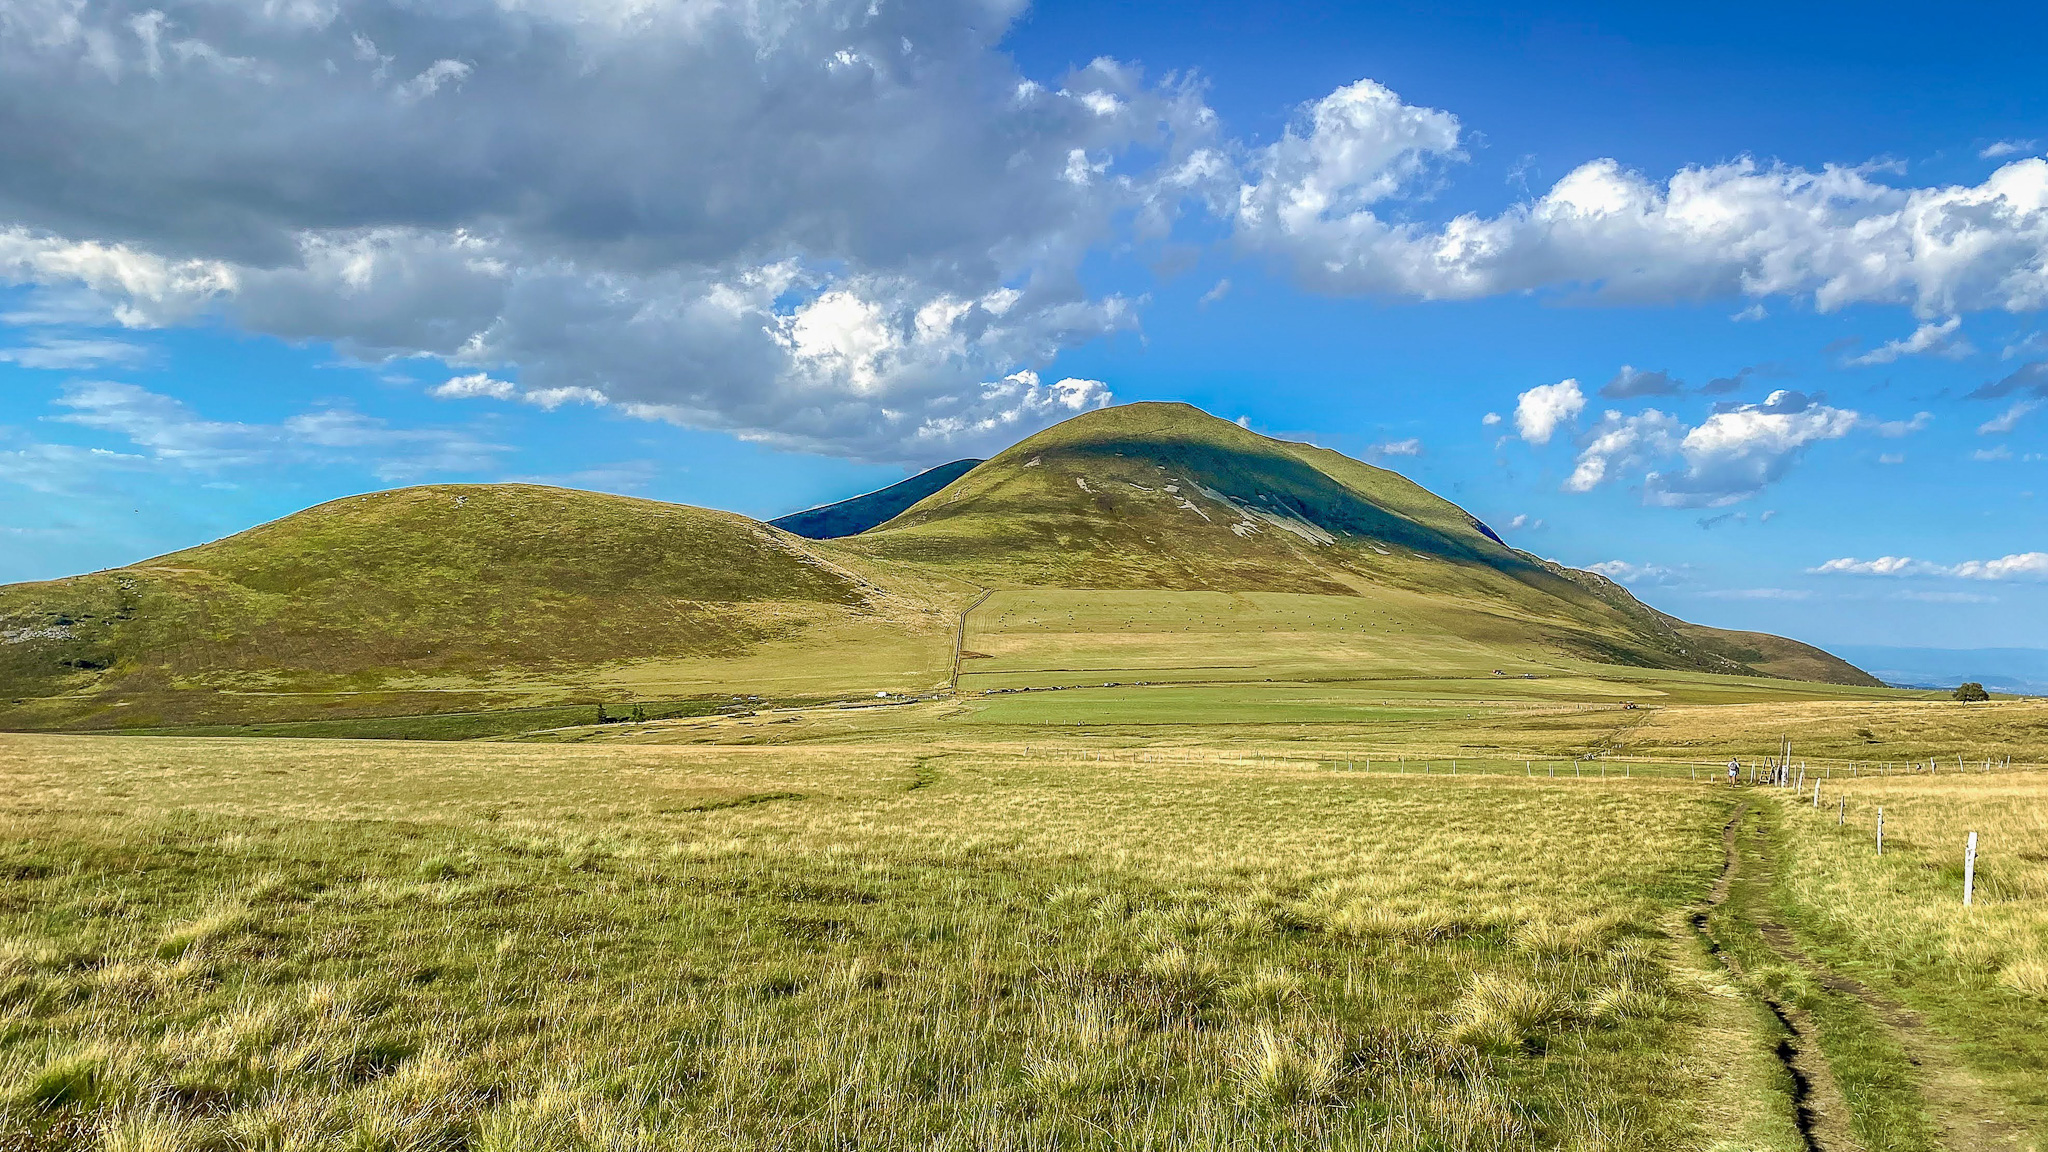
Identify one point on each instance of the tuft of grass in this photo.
(1279, 1069)
(1504, 1012)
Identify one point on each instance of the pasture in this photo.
(945, 925)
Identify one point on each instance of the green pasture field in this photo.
(298, 944)
(940, 925)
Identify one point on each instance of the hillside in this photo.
(462, 595)
(1149, 543)
(1163, 497)
(853, 516)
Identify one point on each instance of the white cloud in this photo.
(1622, 442)
(1490, 419)
(170, 434)
(1837, 236)
(1732, 455)
(2017, 566)
(73, 354)
(1540, 410)
(1891, 458)
(1524, 520)
(1932, 339)
(473, 385)
(2009, 419)
(1623, 572)
(2004, 148)
(1986, 455)
(1412, 446)
(1214, 294)
(1353, 148)
(482, 384)
(824, 225)
(1894, 429)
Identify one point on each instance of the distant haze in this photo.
(2022, 670)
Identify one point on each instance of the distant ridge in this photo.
(860, 513)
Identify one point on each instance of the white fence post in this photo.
(1969, 869)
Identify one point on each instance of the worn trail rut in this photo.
(1966, 1117)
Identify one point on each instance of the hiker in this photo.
(1732, 766)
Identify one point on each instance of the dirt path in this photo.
(960, 636)
(1818, 1106)
(1966, 1117)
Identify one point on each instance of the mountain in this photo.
(1146, 542)
(1164, 496)
(462, 595)
(857, 515)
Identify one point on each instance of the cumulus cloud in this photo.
(1928, 339)
(2017, 566)
(1730, 456)
(833, 226)
(1540, 410)
(1412, 446)
(1631, 381)
(1838, 236)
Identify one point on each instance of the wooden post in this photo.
(1880, 829)
(1816, 794)
(1969, 869)
(1841, 811)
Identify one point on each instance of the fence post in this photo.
(1841, 811)
(1880, 829)
(1969, 869)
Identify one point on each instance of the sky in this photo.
(1746, 308)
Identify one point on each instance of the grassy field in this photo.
(938, 926)
(318, 944)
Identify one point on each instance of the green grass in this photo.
(479, 595)
(218, 943)
(457, 725)
(1280, 704)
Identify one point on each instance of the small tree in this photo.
(1970, 692)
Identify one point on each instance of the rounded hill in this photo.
(441, 587)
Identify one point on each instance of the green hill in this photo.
(850, 517)
(1165, 498)
(1146, 544)
(452, 596)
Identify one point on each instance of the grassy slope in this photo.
(1164, 497)
(459, 590)
(850, 517)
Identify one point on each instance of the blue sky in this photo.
(1745, 309)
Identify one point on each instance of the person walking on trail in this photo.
(1732, 766)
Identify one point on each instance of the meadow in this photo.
(934, 926)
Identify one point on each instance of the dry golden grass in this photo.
(288, 944)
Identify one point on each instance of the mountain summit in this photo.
(1165, 496)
